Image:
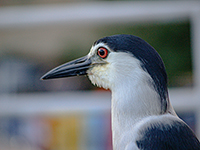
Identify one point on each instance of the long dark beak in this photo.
(72, 68)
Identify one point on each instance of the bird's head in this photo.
(115, 60)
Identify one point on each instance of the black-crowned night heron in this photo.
(142, 116)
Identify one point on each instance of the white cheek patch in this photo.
(99, 75)
(120, 66)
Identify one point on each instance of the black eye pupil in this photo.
(101, 52)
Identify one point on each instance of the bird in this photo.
(142, 116)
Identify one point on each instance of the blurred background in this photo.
(72, 114)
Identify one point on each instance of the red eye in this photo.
(102, 52)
